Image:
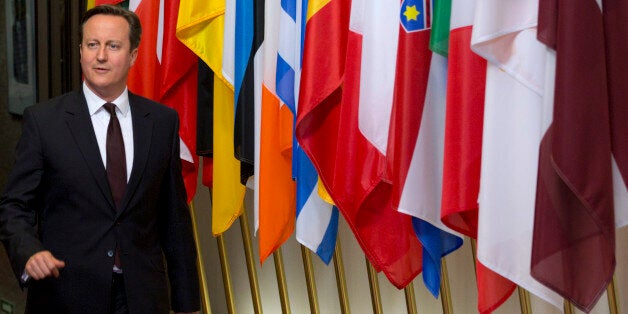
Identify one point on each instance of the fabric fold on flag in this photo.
(439, 35)
(514, 91)
(317, 220)
(574, 223)
(409, 153)
(466, 76)
(174, 70)
(423, 199)
(228, 192)
(201, 25)
(410, 84)
(505, 35)
(249, 36)
(463, 147)
(277, 190)
(277, 202)
(436, 244)
(331, 129)
(615, 16)
(205, 122)
(179, 90)
(323, 64)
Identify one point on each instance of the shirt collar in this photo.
(94, 103)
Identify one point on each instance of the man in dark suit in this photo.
(81, 240)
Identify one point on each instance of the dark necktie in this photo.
(116, 164)
(116, 160)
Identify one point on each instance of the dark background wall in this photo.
(10, 129)
(57, 71)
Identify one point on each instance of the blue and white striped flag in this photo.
(317, 220)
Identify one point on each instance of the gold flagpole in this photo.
(410, 299)
(250, 264)
(445, 292)
(281, 281)
(309, 279)
(613, 306)
(226, 274)
(524, 301)
(568, 307)
(376, 298)
(341, 283)
(474, 255)
(206, 306)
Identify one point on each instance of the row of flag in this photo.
(419, 121)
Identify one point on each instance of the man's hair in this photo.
(106, 9)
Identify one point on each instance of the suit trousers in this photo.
(118, 295)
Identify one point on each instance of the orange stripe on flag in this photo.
(277, 197)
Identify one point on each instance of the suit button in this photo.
(110, 253)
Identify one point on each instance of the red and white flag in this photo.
(463, 147)
(504, 33)
(166, 71)
(348, 144)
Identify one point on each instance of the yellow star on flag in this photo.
(411, 13)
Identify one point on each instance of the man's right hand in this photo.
(42, 264)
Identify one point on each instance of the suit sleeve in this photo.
(18, 203)
(177, 235)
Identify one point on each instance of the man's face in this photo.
(106, 55)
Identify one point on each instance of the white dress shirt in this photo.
(100, 121)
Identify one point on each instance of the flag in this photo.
(505, 35)
(249, 35)
(615, 17)
(439, 35)
(323, 63)
(179, 90)
(150, 51)
(463, 147)
(317, 220)
(91, 3)
(228, 192)
(173, 71)
(201, 26)
(277, 200)
(574, 217)
(228, 45)
(338, 133)
(421, 192)
(410, 83)
(205, 121)
(463, 127)
(205, 111)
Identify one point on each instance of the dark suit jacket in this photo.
(57, 198)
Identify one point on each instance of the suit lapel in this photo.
(142, 137)
(80, 124)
